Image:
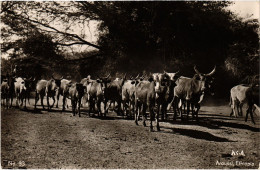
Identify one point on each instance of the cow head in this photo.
(161, 81)
(11, 80)
(137, 79)
(173, 76)
(206, 79)
(103, 82)
(80, 89)
(30, 82)
(57, 82)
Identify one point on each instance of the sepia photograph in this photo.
(130, 84)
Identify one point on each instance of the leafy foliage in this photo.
(135, 36)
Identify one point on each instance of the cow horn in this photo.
(52, 76)
(212, 72)
(125, 76)
(177, 72)
(196, 70)
(164, 72)
(61, 78)
(137, 76)
(108, 76)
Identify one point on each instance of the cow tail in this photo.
(230, 101)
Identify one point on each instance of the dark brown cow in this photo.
(145, 98)
(30, 86)
(10, 81)
(113, 93)
(191, 91)
(76, 92)
(4, 92)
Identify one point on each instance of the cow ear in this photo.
(150, 79)
(133, 82)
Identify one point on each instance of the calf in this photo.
(76, 92)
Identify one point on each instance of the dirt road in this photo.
(58, 140)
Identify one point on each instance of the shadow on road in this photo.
(216, 123)
(196, 134)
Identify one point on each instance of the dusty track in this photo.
(58, 140)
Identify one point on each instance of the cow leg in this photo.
(188, 109)
(53, 98)
(90, 106)
(73, 106)
(192, 110)
(25, 103)
(11, 102)
(105, 107)
(79, 102)
(249, 111)
(137, 112)
(36, 99)
(48, 104)
(42, 96)
(58, 97)
(241, 109)
(144, 114)
(164, 107)
(63, 102)
(197, 111)
(175, 107)
(233, 107)
(99, 108)
(119, 109)
(158, 111)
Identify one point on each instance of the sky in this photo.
(243, 8)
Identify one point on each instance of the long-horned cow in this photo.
(113, 93)
(191, 91)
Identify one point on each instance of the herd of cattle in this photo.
(157, 92)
